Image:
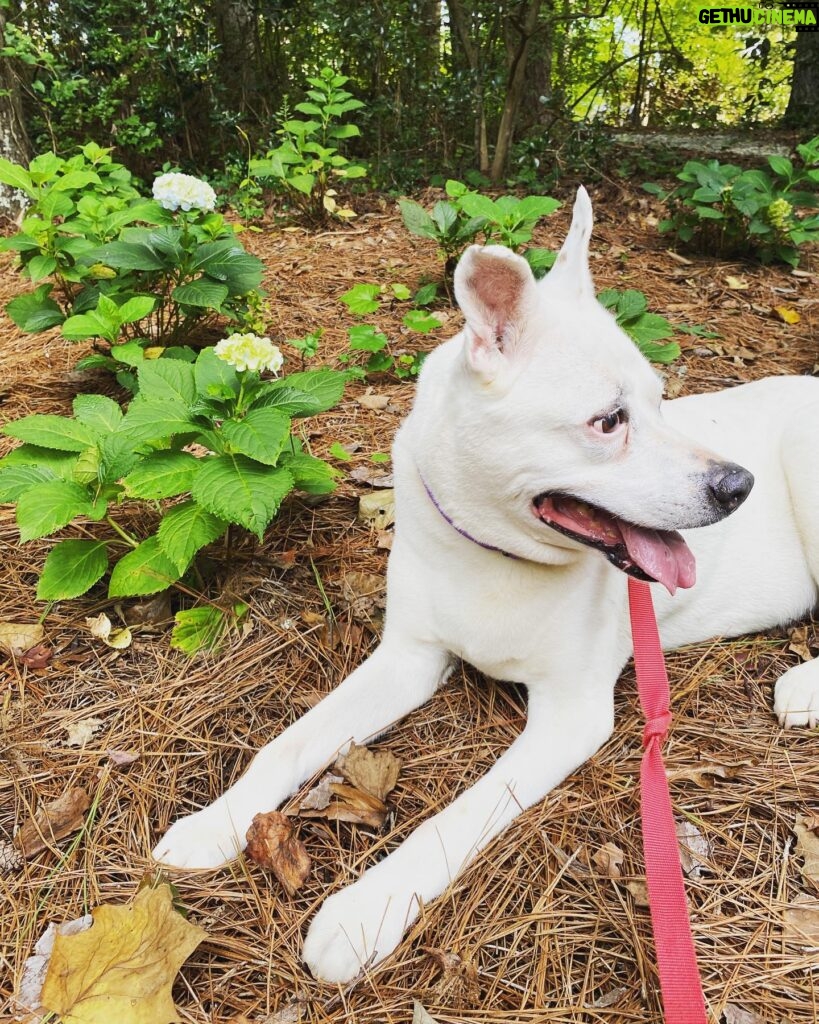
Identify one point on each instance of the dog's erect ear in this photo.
(570, 272)
(496, 292)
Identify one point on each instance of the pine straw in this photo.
(553, 938)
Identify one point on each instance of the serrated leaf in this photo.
(630, 304)
(122, 969)
(16, 176)
(151, 421)
(362, 298)
(128, 255)
(48, 431)
(213, 375)
(50, 506)
(202, 628)
(420, 320)
(185, 529)
(61, 464)
(162, 475)
(145, 570)
(35, 311)
(167, 380)
(136, 308)
(14, 480)
(98, 412)
(261, 435)
(416, 219)
(304, 394)
(201, 293)
(311, 475)
(71, 568)
(241, 491)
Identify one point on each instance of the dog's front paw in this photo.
(796, 696)
(207, 839)
(356, 928)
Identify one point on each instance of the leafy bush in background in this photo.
(111, 264)
(724, 210)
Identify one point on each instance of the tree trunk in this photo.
(236, 29)
(514, 91)
(14, 144)
(803, 104)
(472, 52)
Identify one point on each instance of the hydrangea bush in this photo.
(110, 264)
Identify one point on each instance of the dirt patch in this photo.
(552, 937)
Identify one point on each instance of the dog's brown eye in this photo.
(610, 422)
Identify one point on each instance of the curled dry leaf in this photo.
(695, 850)
(371, 475)
(320, 795)
(16, 637)
(807, 846)
(608, 860)
(733, 1014)
(802, 640)
(377, 509)
(376, 772)
(273, 844)
(351, 805)
(366, 595)
(52, 822)
(457, 985)
(801, 921)
(122, 969)
(79, 733)
(101, 629)
(37, 657)
(703, 775)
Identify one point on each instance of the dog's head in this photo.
(561, 434)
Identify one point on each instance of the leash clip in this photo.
(656, 728)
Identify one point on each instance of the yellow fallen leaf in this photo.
(787, 315)
(17, 637)
(736, 283)
(807, 847)
(377, 508)
(122, 969)
(101, 628)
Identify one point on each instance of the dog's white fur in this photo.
(504, 412)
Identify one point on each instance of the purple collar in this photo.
(457, 529)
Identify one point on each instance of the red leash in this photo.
(680, 984)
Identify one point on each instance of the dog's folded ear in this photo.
(496, 292)
(570, 273)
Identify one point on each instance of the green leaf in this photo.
(536, 207)
(400, 291)
(148, 420)
(362, 299)
(61, 464)
(185, 529)
(136, 308)
(477, 205)
(119, 453)
(338, 451)
(781, 165)
(261, 435)
(145, 570)
(227, 261)
(35, 311)
(213, 376)
(97, 412)
(304, 394)
(202, 628)
(14, 480)
(17, 177)
(133, 255)
(90, 325)
(48, 431)
(238, 489)
(71, 568)
(41, 266)
(420, 320)
(416, 219)
(649, 327)
(311, 475)
(51, 505)
(630, 304)
(365, 338)
(162, 475)
(201, 293)
(659, 353)
(426, 293)
(167, 380)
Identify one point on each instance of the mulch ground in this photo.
(539, 927)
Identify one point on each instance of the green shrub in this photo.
(87, 466)
(111, 264)
(723, 210)
(307, 162)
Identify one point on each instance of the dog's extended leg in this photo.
(398, 677)
(363, 923)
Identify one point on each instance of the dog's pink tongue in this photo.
(663, 555)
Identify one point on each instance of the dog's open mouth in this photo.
(653, 555)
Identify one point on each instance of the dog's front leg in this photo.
(399, 676)
(363, 923)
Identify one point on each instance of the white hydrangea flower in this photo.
(250, 352)
(184, 192)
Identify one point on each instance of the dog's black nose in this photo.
(730, 485)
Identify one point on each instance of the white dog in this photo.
(539, 460)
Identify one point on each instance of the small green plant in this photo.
(725, 210)
(307, 161)
(382, 357)
(647, 330)
(212, 436)
(457, 222)
(110, 264)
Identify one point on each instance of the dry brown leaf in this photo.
(10, 857)
(733, 1014)
(802, 639)
(801, 921)
(292, 1013)
(377, 509)
(639, 891)
(457, 985)
(351, 805)
(52, 822)
(150, 611)
(807, 847)
(320, 795)
(79, 733)
(273, 844)
(122, 969)
(608, 860)
(610, 998)
(16, 637)
(420, 1015)
(695, 850)
(376, 772)
(122, 758)
(101, 629)
(373, 476)
(37, 657)
(374, 402)
(787, 314)
(703, 775)
(384, 539)
(366, 595)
